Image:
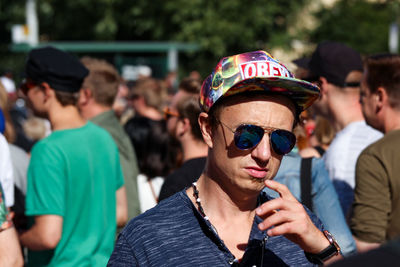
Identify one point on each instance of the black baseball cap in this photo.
(302, 62)
(334, 61)
(62, 71)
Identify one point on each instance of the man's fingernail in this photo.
(258, 210)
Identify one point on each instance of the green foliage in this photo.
(221, 28)
(360, 24)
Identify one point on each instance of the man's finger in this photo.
(270, 207)
(282, 190)
(276, 219)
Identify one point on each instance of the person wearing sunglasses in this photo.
(250, 104)
(181, 117)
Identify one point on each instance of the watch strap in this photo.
(330, 251)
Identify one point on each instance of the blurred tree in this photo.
(361, 24)
(219, 27)
(11, 12)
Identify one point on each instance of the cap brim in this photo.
(301, 92)
(302, 62)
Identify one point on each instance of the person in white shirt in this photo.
(337, 69)
(6, 172)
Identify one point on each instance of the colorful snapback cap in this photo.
(255, 71)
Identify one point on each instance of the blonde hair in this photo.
(324, 131)
(9, 132)
(103, 80)
(153, 91)
(34, 128)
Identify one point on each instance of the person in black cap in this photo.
(337, 69)
(74, 177)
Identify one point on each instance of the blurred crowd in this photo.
(143, 144)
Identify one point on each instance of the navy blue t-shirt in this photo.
(175, 234)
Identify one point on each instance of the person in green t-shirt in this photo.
(75, 194)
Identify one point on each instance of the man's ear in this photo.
(47, 90)
(206, 128)
(381, 98)
(324, 85)
(182, 126)
(85, 95)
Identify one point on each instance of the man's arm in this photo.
(122, 207)
(363, 246)
(44, 234)
(372, 204)
(10, 250)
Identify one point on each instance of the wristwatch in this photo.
(332, 250)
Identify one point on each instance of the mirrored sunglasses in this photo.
(247, 136)
(168, 113)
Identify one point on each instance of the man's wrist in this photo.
(329, 251)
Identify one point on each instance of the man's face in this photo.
(368, 101)
(247, 169)
(36, 99)
(172, 120)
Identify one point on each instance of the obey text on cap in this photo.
(262, 69)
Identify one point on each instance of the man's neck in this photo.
(193, 149)
(221, 202)
(391, 121)
(343, 115)
(93, 111)
(68, 117)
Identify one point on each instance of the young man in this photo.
(96, 99)
(182, 125)
(250, 105)
(338, 70)
(376, 208)
(75, 194)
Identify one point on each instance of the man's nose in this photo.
(262, 151)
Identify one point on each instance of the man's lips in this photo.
(257, 172)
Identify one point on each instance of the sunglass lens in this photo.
(282, 141)
(248, 136)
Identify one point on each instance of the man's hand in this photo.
(288, 217)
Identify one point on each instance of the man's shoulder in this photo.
(386, 144)
(391, 139)
(108, 121)
(169, 214)
(89, 135)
